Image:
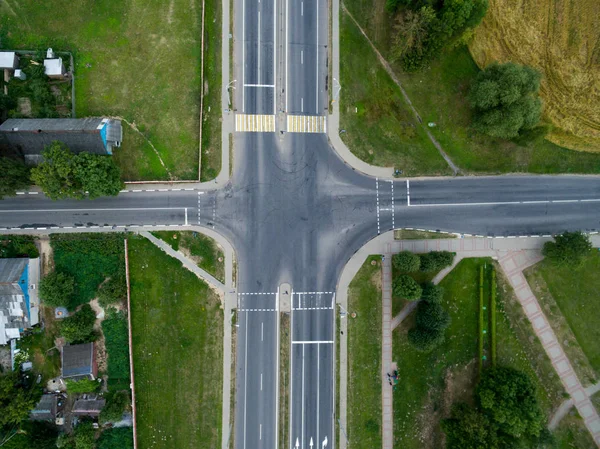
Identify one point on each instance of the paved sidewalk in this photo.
(387, 403)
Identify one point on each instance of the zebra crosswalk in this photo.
(306, 124)
(255, 123)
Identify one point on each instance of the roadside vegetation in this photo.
(572, 433)
(364, 356)
(177, 348)
(207, 254)
(432, 382)
(411, 234)
(439, 92)
(112, 43)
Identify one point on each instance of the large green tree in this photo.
(33, 435)
(63, 174)
(116, 438)
(57, 289)
(505, 100)
(79, 327)
(568, 248)
(14, 175)
(406, 287)
(406, 261)
(17, 398)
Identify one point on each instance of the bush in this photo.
(432, 293)
(116, 337)
(568, 248)
(425, 340)
(79, 327)
(116, 404)
(18, 246)
(432, 316)
(14, 175)
(84, 435)
(407, 288)
(436, 260)
(116, 438)
(113, 290)
(406, 261)
(82, 386)
(57, 289)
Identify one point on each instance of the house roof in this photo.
(7, 59)
(11, 270)
(45, 410)
(54, 66)
(31, 136)
(88, 407)
(78, 360)
(14, 287)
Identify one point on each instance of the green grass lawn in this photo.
(204, 250)
(410, 234)
(430, 383)
(575, 291)
(380, 128)
(572, 433)
(438, 94)
(177, 326)
(364, 357)
(137, 59)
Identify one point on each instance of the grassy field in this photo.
(572, 433)
(364, 357)
(380, 128)
(177, 326)
(203, 250)
(561, 40)
(136, 59)
(438, 93)
(409, 234)
(430, 383)
(575, 291)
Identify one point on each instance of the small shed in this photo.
(54, 68)
(8, 60)
(79, 362)
(46, 409)
(88, 407)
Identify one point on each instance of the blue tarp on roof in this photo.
(103, 135)
(24, 284)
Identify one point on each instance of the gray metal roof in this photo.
(88, 407)
(78, 360)
(11, 270)
(45, 410)
(13, 310)
(52, 124)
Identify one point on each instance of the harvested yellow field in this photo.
(561, 38)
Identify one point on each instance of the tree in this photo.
(508, 397)
(116, 403)
(113, 290)
(63, 174)
(407, 288)
(436, 260)
(432, 293)
(505, 101)
(425, 340)
(568, 248)
(468, 428)
(79, 327)
(116, 438)
(432, 316)
(17, 398)
(82, 386)
(84, 435)
(412, 29)
(14, 175)
(33, 435)
(406, 261)
(57, 289)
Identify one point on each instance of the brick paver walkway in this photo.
(386, 352)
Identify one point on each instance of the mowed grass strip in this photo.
(364, 357)
(431, 382)
(137, 59)
(202, 249)
(177, 326)
(410, 234)
(575, 290)
(438, 92)
(379, 127)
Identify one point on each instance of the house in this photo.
(8, 60)
(46, 409)
(29, 137)
(88, 407)
(79, 362)
(54, 68)
(19, 301)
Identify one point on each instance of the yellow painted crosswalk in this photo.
(306, 124)
(255, 123)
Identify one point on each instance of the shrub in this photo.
(84, 435)
(116, 404)
(432, 316)
(425, 340)
(113, 290)
(14, 175)
(116, 337)
(82, 386)
(436, 260)
(57, 289)
(79, 327)
(406, 261)
(407, 288)
(432, 293)
(568, 248)
(18, 246)
(116, 438)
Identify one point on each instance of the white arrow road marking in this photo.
(324, 445)
(311, 443)
(297, 443)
